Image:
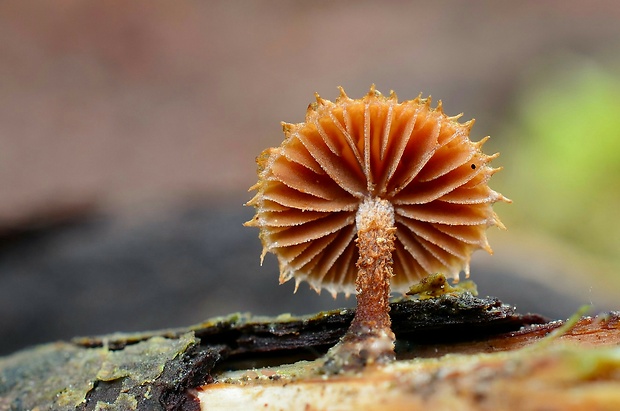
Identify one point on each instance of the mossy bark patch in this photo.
(142, 376)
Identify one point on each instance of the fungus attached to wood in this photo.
(372, 195)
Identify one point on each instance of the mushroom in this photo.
(372, 195)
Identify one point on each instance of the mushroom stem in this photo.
(369, 338)
(375, 242)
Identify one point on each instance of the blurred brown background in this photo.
(128, 132)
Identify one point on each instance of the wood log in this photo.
(453, 352)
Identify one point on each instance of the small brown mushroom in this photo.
(372, 193)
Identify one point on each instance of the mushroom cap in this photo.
(408, 153)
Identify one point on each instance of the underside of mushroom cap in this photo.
(408, 153)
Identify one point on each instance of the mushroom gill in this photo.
(372, 191)
(414, 156)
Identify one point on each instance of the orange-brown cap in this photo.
(408, 153)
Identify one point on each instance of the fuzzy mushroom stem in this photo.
(375, 242)
(370, 338)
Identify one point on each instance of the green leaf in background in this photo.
(563, 159)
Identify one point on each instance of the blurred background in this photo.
(128, 132)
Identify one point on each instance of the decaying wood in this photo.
(576, 370)
(162, 370)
